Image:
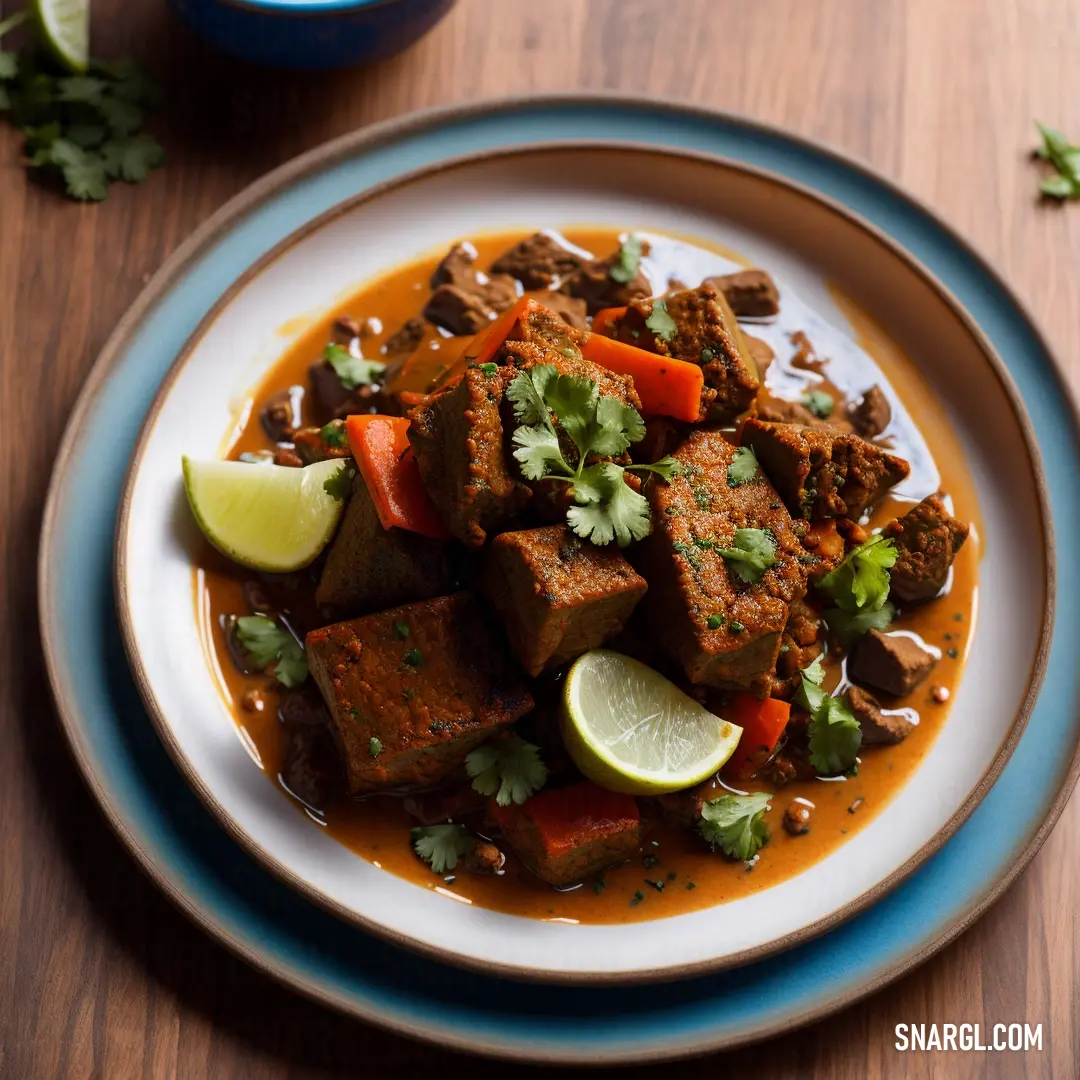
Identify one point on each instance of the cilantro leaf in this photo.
(626, 265)
(264, 641)
(9, 65)
(123, 117)
(353, 371)
(861, 581)
(743, 467)
(333, 434)
(617, 425)
(539, 453)
(753, 551)
(442, 845)
(574, 401)
(527, 393)
(848, 626)
(132, 158)
(666, 468)
(85, 89)
(835, 737)
(86, 136)
(820, 403)
(510, 769)
(338, 484)
(735, 824)
(84, 171)
(13, 21)
(810, 695)
(660, 322)
(374, 746)
(607, 507)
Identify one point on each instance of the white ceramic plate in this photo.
(804, 241)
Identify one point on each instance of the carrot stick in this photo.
(666, 387)
(763, 723)
(483, 347)
(604, 318)
(380, 445)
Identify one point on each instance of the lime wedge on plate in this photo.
(630, 729)
(266, 517)
(65, 30)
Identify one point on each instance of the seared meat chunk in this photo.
(464, 301)
(559, 595)
(894, 663)
(545, 328)
(724, 631)
(281, 415)
(310, 768)
(566, 834)
(332, 399)
(570, 309)
(594, 284)
(446, 804)
(871, 416)
(927, 540)
(485, 858)
(751, 294)
(458, 440)
(800, 646)
(412, 690)
(370, 568)
(685, 806)
(822, 474)
(878, 727)
(704, 332)
(538, 261)
(404, 342)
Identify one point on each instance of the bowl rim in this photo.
(157, 712)
(302, 8)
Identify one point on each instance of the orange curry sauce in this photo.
(691, 876)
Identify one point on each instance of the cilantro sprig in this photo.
(743, 467)
(820, 403)
(660, 322)
(736, 824)
(1065, 158)
(861, 580)
(264, 642)
(441, 846)
(510, 769)
(628, 261)
(547, 403)
(752, 552)
(835, 735)
(352, 370)
(339, 483)
(85, 129)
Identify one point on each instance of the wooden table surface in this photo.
(99, 975)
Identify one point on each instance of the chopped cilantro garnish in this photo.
(715, 621)
(488, 368)
(736, 824)
(743, 467)
(401, 630)
(752, 552)
(442, 845)
(835, 737)
(264, 641)
(352, 370)
(650, 861)
(702, 498)
(820, 403)
(605, 507)
(627, 263)
(706, 355)
(333, 434)
(861, 581)
(660, 322)
(848, 626)
(599, 885)
(810, 695)
(338, 484)
(736, 627)
(374, 747)
(691, 885)
(657, 885)
(510, 769)
(637, 898)
(414, 658)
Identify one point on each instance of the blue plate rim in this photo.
(378, 135)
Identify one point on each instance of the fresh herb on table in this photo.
(606, 508)
(820, 403)
(510, 769)
(353, 371)
(1065, 158)
(660, 322)
(264, 642)
(339, 483)
(743, 467)
(627, 263)
(84, 129)
(442, 845)
(736, 824)
(835, 735)
(752, 552)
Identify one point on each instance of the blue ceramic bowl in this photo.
(312, 34)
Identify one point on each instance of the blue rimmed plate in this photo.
(198, 865)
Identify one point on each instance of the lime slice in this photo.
(266, 517)
(630, 729)
(65, 29)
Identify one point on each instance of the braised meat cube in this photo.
(402, 343)
(282, 415)
(544, 327)
(800, 645)
(538, 261)
(310, 768)
(725, 631)
(457, 437)
(369, 568)
(570, 309)
(871, 416)
(820, 473)
(412, 690)
(559, 595)
(464, 301)
(699, 328)
(927, 540)
(879, 728)
(567, 834)
(894, 663)
(751, 294)
(594, 284)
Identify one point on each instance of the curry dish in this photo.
(564, 456)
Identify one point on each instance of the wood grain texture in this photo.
(99, 976)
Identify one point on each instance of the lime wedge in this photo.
(266, 517)
(630, 729)
(65, 30)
